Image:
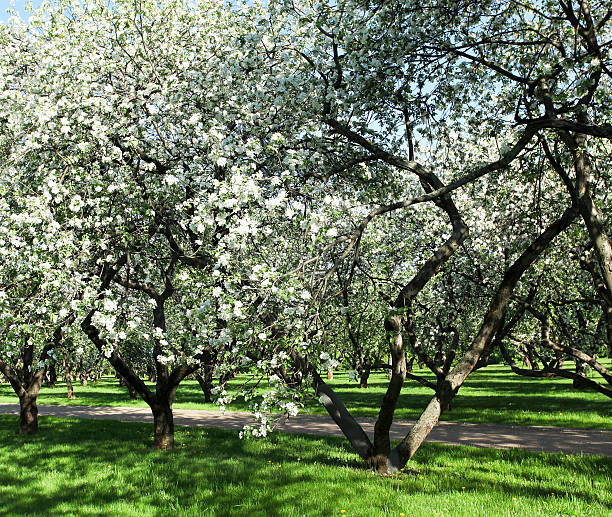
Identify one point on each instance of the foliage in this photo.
(281, 186)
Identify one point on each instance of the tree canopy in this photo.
(281, 187)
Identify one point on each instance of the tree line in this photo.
(279, 187)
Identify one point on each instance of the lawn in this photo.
(80, 467)
(493, 394)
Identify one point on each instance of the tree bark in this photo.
(448, 388)
(160, 402)
(163, 425)
(586, 205)
(383, 459)
(410, 364)
(28, 413)
(206, 383)
(364, 375)
(126, 384)
(608, 324)
(344, 420)
(68, 377)
(594, 224)
(51, 376)
(132, 392)
(26, 383)
(382, 443)
(151, 373)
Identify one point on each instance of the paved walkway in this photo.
(531, 438)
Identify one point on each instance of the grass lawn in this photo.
(80, 467)
(493, 394)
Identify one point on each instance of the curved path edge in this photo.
(497, 436)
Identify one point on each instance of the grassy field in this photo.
(77, 467)
(493, 394)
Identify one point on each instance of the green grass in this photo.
(493, 394)
(80, 467)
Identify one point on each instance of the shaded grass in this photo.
(80, 467)
(493, 394)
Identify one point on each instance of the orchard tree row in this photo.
(273, 187)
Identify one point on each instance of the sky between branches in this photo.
(18, 5)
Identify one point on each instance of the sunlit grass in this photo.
(493, 394)
(84, 467)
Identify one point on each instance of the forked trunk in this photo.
(382, 443)
(163, 423)
(28, 414)
(387, 461)
(448, 388)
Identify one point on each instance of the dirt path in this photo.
(531, 438)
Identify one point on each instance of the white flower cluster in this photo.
(327, 362)
(353, 376)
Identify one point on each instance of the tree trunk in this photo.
(420, 430)
(344, 420)
(588, 209)
(81, 373)
(151, 373)
(363, 378)
(163, 423)
(131, 391)
(167, 382)
(69, 389)
(330, 374)
(68, 377)
(448, 387)
(28, 414)
(364, 372)
(531, 359)
(608, 324)
(578, 383)
(125, 383)
(409, 365)
(51, 377)
(206, 385)
(382, 442)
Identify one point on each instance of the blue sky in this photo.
(19, 6)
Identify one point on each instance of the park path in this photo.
(497, 436)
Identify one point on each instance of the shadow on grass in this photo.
(490, 395)
(109, 468)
